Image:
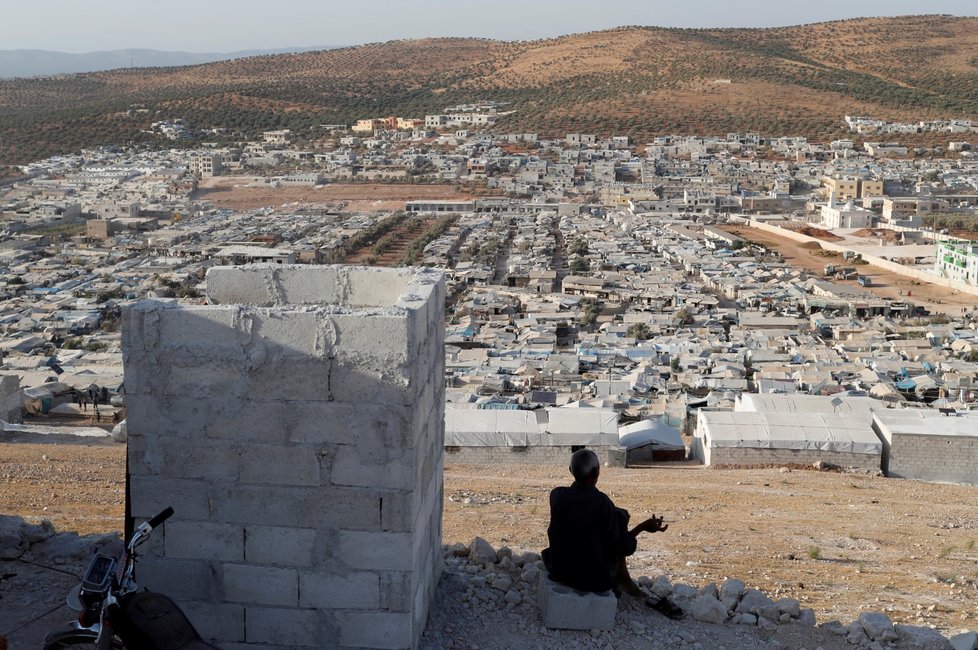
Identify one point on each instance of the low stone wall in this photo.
(541, 454)
(878, 262)
(757, 456)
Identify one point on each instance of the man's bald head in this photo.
(585, 466)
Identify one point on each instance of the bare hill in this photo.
(638, 81)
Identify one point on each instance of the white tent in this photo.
(859, 408)
(815, 431)
(490, 428)
(651, 432)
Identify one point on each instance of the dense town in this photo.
(601, 292)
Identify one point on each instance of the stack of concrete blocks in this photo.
(564, 608)
(296, 425)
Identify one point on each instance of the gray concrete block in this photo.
(213, 460)
(246, 583)
(308, 378)
(216, 621)
(361, 286)
(355, 590)
(569, 609)
(375, 629)
(199, 540)
(398, 511)
(289, 628)
(395, 591)
(352, 468)
(375, 551)
(341, 508)
(196, 580)
(150, 495)
(279, 546)
(264, 505)
(280, 465)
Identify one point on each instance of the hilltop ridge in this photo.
(637, 81)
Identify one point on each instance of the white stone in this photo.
(569, 609)
(731, 591)
(708, 610)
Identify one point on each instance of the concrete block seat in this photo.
(565, 608)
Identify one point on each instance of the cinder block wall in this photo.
(296, 425)
(757, 456)
(947, 459)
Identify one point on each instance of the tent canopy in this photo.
(655, 432)
(821, 431)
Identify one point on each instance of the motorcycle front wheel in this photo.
(76, 641)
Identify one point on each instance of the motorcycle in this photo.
(115, 614)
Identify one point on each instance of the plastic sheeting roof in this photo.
(821, 431)
(552, 426)
(919, 422)
(857, 407)
(650, 432)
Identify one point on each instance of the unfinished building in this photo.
(296, 425)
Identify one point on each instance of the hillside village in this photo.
(598, 293)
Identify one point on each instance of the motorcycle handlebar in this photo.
(160, 518)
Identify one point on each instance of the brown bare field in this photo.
(937, 299)
(838, 542)
(231, 192)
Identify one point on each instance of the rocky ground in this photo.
(840, 544)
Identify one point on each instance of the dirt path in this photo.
(840, 543)
(935, 298)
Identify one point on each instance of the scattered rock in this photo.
(965, 641)
(753, 601)
(708, 610)
(731, 592)
(877, 626)
(458, 549)
(482, 552)
(911, 637)
(807, 617)
(661, 586)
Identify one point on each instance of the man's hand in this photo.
(651, 525)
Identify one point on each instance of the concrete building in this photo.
(928, 445)
(206, 165)
(850, 188)
(958, 261)
(296, 424)
(845, 216)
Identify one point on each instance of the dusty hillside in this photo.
(840, 543)
(638, 81)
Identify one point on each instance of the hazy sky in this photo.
(228, 25)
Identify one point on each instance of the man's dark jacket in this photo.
(588, 537)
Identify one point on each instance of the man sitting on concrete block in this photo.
(589, 536)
